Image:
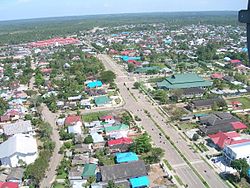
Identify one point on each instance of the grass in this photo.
(62, 176)
(168, 165)
(188, 126)
(94, 116)
(178, 180)
(243, 100)
(58, 185)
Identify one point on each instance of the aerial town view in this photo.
(135, 94)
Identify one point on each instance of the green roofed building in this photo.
(184, 81)
(102, 100)
(89, 170)
(117, 128)
(141, 70)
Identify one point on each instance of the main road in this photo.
(137, 103)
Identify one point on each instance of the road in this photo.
(137, 107)
(56, 158)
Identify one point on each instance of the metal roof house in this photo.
(183, 81)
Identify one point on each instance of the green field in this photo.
(244, 100)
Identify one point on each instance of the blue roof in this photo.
(248, 172)
(139, 182)
(127, 58)
(126, 157)
(94, 84)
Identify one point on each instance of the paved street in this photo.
(50, 117)
(137, 107)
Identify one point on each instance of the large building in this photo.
(183, 81)
(18, 148)
(237, 151)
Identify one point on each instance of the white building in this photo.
(18, 148)
(237, 151)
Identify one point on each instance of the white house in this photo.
(237, 151)
(75, 129)
(18, 148)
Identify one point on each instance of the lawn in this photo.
(58, 185)
(188, 126)
(94, 116)
(244, 100)
(62, 176)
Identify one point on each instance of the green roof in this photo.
(182, 81)
(101, 100)
(89, 170)
(116, 128)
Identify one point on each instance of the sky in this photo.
(23, 9)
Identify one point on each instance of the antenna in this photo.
(244, 17)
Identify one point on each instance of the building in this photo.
(18, 148)
(222, 139)
(89, 170)
(94, 84)
(123, 171)
(8, 185)
(120, 145)
(220, 121)
(237, 151)
(138, 182)
(72, 120)
(17, 127)
(183, 81)
(204, 104)
(126, 157)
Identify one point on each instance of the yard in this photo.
(188, 126)
(94, 116)
(245, 101)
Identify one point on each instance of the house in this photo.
(72, 119)
(108, 119)
(120, 145)
(138, 182)
(94, 84)
(220, 121)
(123, 171)
(204, 104)
(4, 119)
(102, 101)
(82, 148)
(89, 170)
(8, 185)
(75, 173)
(222, 139)
(16, 175)
(18, 127)
(98, 140)
(126, 157)
(80, 159)
(237, 151)
(217, 76)
(183, 81)
(117, 131)
(16, 148)
(145, 70)
(190, 93)
(75, 129)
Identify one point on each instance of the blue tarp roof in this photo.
(94, 84)
(126, 157)
(127, 58)
(139, 182)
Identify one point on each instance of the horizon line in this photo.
(107, 14)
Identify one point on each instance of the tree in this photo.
(126, 118)
(137, 85)
(141, 144)
(88, 140)
(107, 76)
(3, 106)
(111, 184)
(154, 156)
(241, 166)
(131, 67)
(195, 137)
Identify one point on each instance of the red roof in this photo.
(221, 139)
(238, 125)
(8, 185)
(134, 62)
(236, 103)
(46, 70)
(50, 42)
(235, 61)
(106, 117)
(120, 141)
(217, 75)
(12, 113)
(72, 119)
